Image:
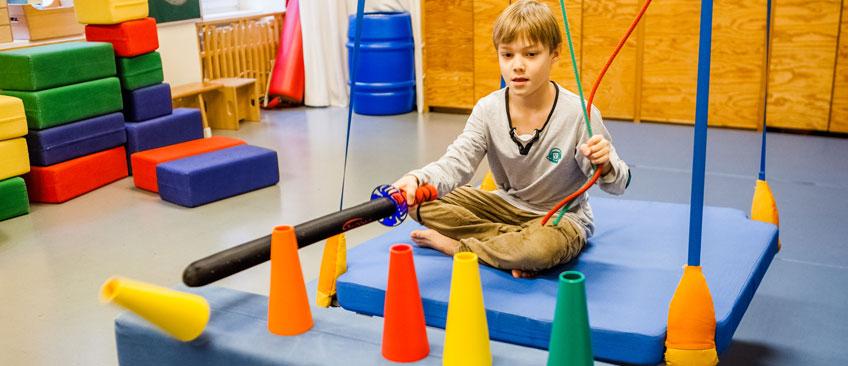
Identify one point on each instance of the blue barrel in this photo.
(385, 80)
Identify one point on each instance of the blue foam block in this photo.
(204, 178)
(184, 124)
(148, 102)
(237, 334)
(62, 143)
(632, 265)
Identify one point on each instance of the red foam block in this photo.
(144, 163)
(131, 38)
(61, 182)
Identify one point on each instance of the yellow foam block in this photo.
(12, 118)
(109, 11)
(14, 159)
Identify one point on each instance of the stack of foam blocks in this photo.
(14, 160)
(72, 102)
(151, 121)
(166, 148)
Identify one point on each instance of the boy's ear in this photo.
(556, 51)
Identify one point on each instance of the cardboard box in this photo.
(34, 24)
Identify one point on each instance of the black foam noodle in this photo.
(236, 259)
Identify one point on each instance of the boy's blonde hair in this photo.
(528, 19)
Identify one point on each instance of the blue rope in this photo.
(765, 102)
(360, 13)
(699, 155)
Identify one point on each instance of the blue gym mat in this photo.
(632, 264)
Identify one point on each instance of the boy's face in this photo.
(525, 65)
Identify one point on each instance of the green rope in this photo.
(579, 90)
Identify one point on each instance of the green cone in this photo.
(571, 344)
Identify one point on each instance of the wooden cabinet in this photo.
(803, 56)
(449, 56)
(654, 77)
(5, 28)
(839, 105)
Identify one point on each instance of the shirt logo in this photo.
(554, 155)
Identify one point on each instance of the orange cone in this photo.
(404, 331)
(288, 306)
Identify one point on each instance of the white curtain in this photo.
(324, 30)
(324, 27)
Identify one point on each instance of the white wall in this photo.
(180, 53)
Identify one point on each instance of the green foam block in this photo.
(44, 67)
(56, 106)
(140, 71)
(13, 198)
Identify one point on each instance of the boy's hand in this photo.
(408, 184)
(597, 150)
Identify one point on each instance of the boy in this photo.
(539, 151)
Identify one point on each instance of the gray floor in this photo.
(53, 261)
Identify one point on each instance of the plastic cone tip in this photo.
(180, 314)
(404, 329)
(466, 330)
(288, 305)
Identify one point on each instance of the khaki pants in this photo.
(501, 235)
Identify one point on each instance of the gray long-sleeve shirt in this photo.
(552, 168)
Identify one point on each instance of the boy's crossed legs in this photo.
(472, 220)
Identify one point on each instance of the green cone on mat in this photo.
(571, 344)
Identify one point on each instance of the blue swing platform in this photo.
(632, 265)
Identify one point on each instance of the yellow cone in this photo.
(333, 265)
(763, 207)
(489, 182)
(182, 315)
(691, 322)
(466, 331)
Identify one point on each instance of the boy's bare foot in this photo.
(517, 273)
(433, 239)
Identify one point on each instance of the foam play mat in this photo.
(73, 140)
(13, 198)
(44, 67)
(144, 163)
(140, 71)
(61, 182)
(129, 39)
(632, 265)
(109, 11)
(12, 118)
(237, 334)
(14, 159)
(147, 103)
(56, 106)
(184, 124)
(208, 177)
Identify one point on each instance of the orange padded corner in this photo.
(144, 163)
(61, 182)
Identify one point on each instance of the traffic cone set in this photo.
(185, 316)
